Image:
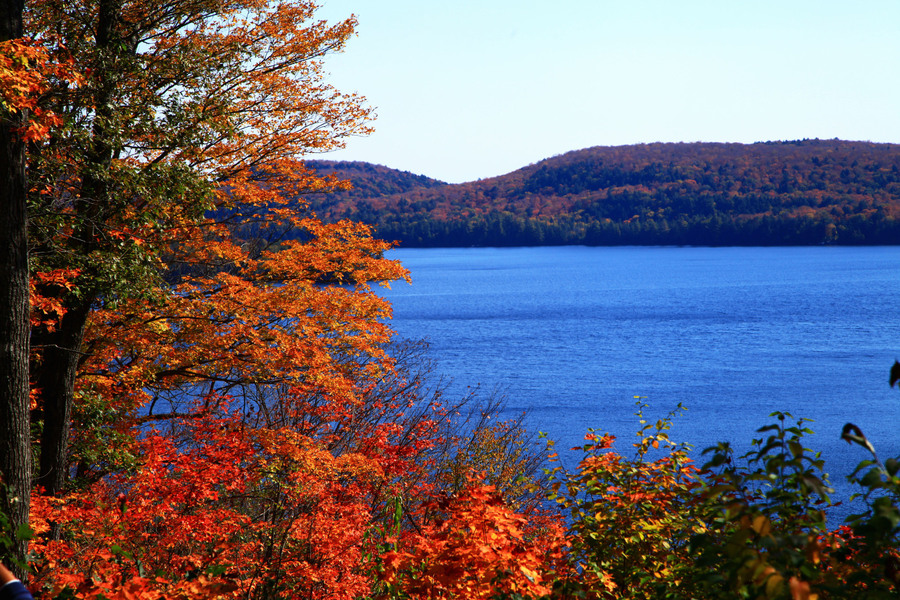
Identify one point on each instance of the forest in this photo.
(201, 396)
(805, 192)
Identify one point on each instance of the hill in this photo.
(771, 193)
(372, 181)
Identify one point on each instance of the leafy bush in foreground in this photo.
(653, 525)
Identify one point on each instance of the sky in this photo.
(471, 89)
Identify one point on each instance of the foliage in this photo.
(748, 527)
(25, 73)
(767, 520)
(631, 518)
(182, 107)
(221, 408)
(10, 535)
(271, 514)
(472, 546)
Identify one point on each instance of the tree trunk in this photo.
(59, 352)
(15, 423)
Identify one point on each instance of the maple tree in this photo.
(184, 106)
(502, 452)
(148, 311)
(751, 526)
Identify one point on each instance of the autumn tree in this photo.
(183, 352)
(185, 106)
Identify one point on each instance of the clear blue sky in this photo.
(469, 89)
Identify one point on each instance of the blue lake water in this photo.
(572, 334)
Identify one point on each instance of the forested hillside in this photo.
(773, 193)
(371, 181)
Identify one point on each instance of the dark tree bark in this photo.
(15, 424)
(60, 351)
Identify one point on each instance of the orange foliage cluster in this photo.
(25, 70)
(475, 547)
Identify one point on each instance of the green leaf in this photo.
(892, 465)
(871, 479)
(24, 532)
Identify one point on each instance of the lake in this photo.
(573, 334)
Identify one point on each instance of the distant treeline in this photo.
(507, 229)
(776, 193)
